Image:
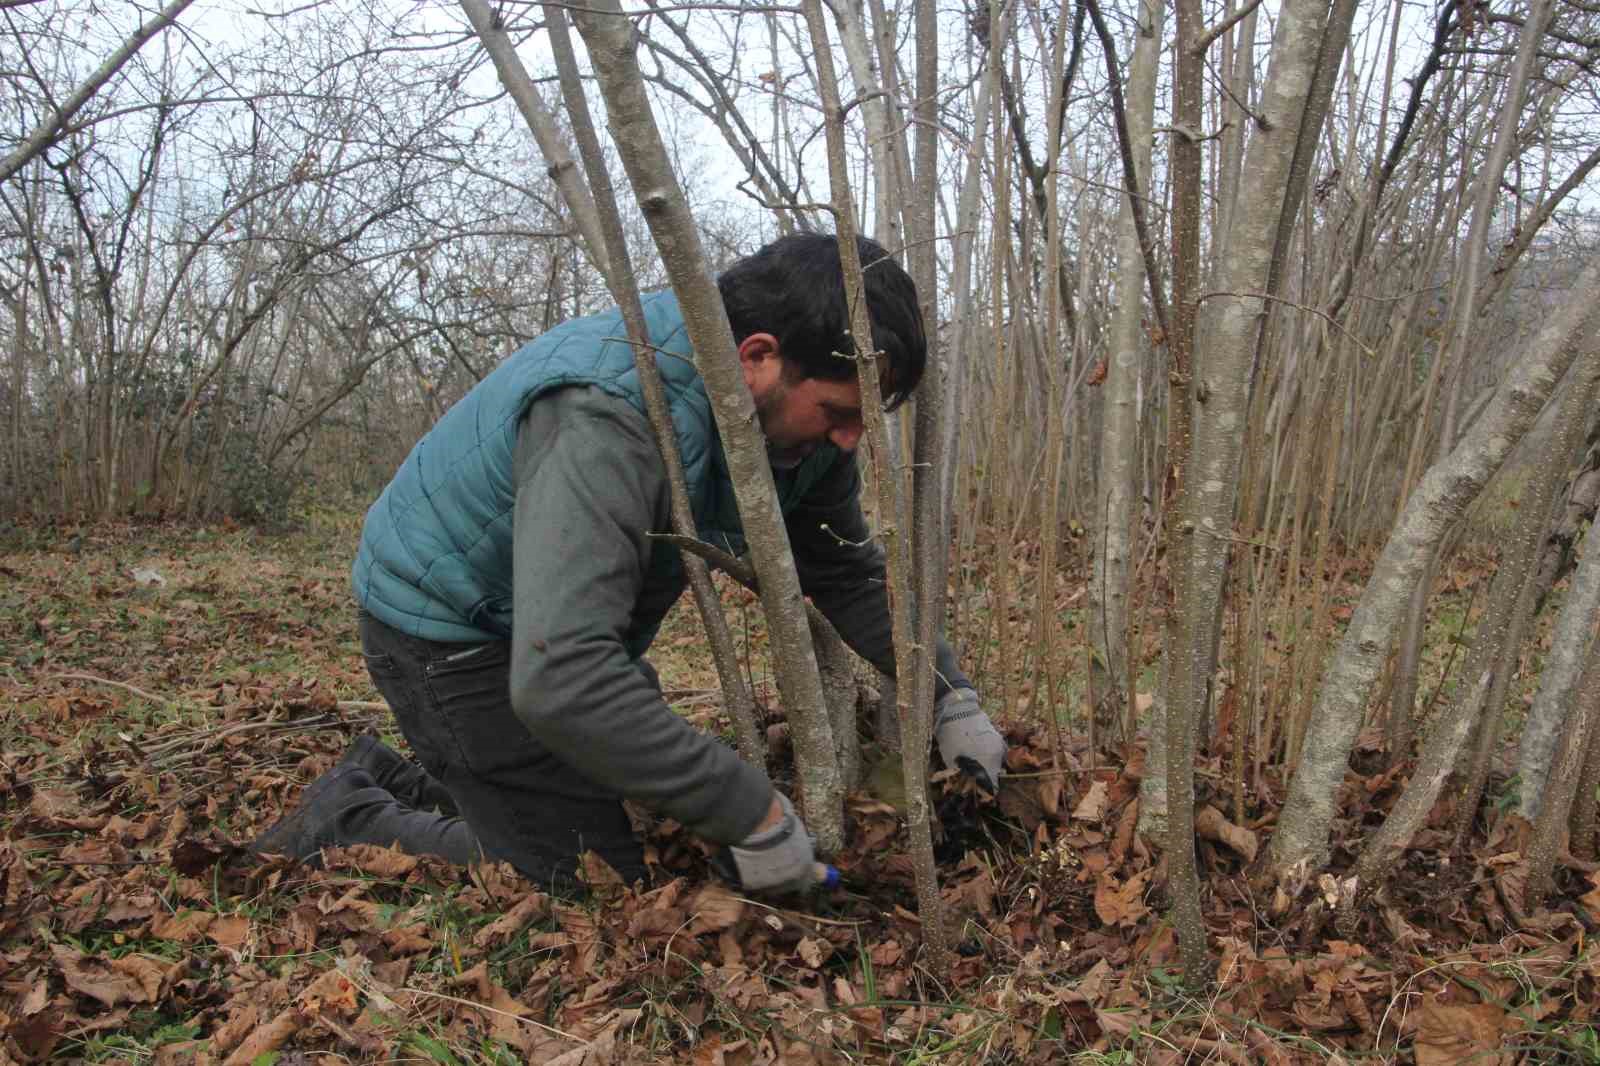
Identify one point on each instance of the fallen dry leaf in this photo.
(1449, 1034)
(1210, 824)
(1121, 904)
(35, 1000)
(531, 906)
(229, 931)
(1092, 808)
(714, 908)
(1591, 899)
(130, 979)
(185, 927)
(372, 859)
(332, 991)
(813, 951)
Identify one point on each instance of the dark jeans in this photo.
(522, 804)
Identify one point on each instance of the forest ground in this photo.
(166, 692)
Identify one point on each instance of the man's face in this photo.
(798, 416)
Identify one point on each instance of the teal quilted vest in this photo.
(436, 549)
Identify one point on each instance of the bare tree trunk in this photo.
(1492, 723)
(1454, 352)
(1486, 195)
(1119, 431)
(891, 175)
(609, 35)
(968, 207)
(1401, 728)
(836, 666)
(1181, 717)
(1551, 825)
(891, 516)
(1500, 622)
(1049, 521)
(1581, 500)
(929, 525)
(1584, 821)
(1441, 497)
(1559, 679)
(625, 288)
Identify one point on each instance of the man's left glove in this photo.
(777, 860)
(967, 740)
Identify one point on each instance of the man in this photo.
(509, 587)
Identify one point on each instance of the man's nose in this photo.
(846, 438)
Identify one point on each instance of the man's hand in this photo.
(967, 740)
(777, 857)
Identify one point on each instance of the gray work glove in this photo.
(967, 740)
(779, 859)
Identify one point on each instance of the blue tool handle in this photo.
(827, 876)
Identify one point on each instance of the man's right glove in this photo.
(967, 740)
(776, 859)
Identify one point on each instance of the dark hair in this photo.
(794, 289)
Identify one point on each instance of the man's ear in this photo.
(761, 362)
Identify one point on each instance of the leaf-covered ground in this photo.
(166, 692)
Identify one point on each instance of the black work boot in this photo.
(372, 815)
(399, 776)
(301, 833)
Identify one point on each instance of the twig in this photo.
(495, 1010)
(1209, 36)
(343, 705)
(141, 693)
(734, 567)
(796, 919)
(1291, 303)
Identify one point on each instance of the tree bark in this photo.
(1581, 498)
(1584, 808)
(609, 35)
(1118, 473)
(1559, 679)
(929, 526)
(1499, 624)
(893, 527)
(968, 205)
(1550, 827)
(1439, 500)
(1452, 357)
(1181, 716)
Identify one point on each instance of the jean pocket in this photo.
(381, 665)
(495, 655)
(471, 692)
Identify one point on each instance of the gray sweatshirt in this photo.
(591, 487)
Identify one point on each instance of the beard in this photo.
(780, 455)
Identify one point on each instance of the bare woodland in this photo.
(1222, 298)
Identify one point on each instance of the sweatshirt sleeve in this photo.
(841, 567)
(590, 488)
